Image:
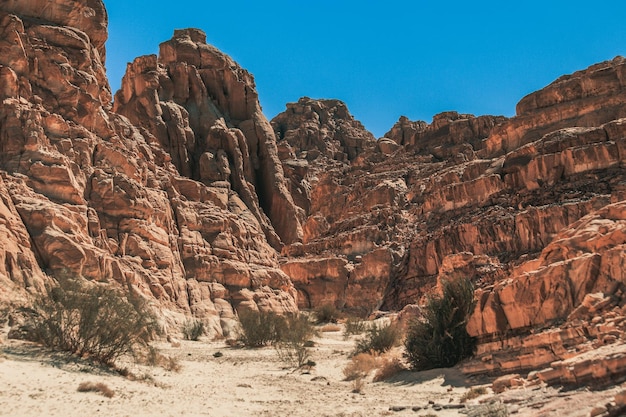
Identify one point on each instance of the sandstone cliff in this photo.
(181, 188)
(530, 208)
(176, 189)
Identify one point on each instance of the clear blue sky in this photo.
(384, 58)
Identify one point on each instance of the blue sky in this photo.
(384, 58)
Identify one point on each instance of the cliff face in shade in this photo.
(170, 200)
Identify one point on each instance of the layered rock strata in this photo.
(530, 208)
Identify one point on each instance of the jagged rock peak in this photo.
(204, 110)
(88, 16)
(586, 98)
(322, 127)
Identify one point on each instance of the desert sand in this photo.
(247, 382)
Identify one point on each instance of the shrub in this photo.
(326, 313)
(193, 329)
(259, 328)
(93, 320)
(330, 328)
(362, 364)
(100, 387)
(293, 340)
(153, 357)
(357, 385)
(378, 338)
(354, 326)
(441, 339)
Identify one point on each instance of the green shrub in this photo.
(326, 313)
(193, 329)
(440, 340)
(378, 338)
(259, 329)
(93, 320)
(290, 335)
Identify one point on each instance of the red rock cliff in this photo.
(176, 199)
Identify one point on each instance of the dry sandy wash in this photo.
(245, 382)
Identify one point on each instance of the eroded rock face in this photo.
(164, 200)
(529, 208)
(450, 135)
(585, 98)
(183, 190)
(204, 110)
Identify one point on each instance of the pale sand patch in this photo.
(243, 382)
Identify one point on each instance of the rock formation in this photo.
(178, 192)
(530, 208)
(182, 189)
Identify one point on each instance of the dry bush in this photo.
(193, 329)
(360, 366)
(294, 339)
(387, 367)
(329, 328)
(153, 357)
(354, 326)
(357, 385)
(98, 387)
(93, 320)
(472, 393)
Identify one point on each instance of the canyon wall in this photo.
(175, 190)
(180, 188)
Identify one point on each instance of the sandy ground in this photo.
(245, 382)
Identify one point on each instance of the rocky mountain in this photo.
(181, 188)
(175, 189)
(530, 208)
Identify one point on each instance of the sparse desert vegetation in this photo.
(354, 326)
(326, 313)
(379, 337)
(472, 393)
(92, 320)
(227, 381)
(193, 329)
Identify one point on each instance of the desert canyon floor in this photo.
(247, 382)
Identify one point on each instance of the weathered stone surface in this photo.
(586, 257)
(585, 98)
(450, 135)
(88, 192)
(204, 110)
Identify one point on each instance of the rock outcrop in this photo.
(179, 193)
(204, 110)
(530, 208)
